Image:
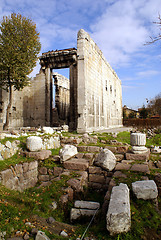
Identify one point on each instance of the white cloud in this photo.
(124, 28)
(148, 73)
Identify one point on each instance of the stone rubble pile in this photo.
(95, 167)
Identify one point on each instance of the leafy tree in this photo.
(155, 105)
(19, 49)
(143, 112)
(132, 115)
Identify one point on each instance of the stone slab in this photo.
(119, 174)
(76, 164)
(145, 189)
(140, 168)
(122, 166)
(143, 157)
(41, 155)
(86, 205)
(76, 214)
(93, 149)
(118, 216)
(97, 178)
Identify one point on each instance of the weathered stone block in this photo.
(93, 149)
(97, 178)
(76, 164)
(112, 149)
(75, 184)
(82, 148)
(119, 157)
(143, 156)
(33, 165)
(122, 166)
(106, 160)
(6, 175)
(122, 149)
(18, 169)
(145, 189)
(86, 205)
(67, 152)
(44, 178)
(34, 143)
(140, 168)
(97, 170)
(76, 214)
(25, 166)
(57, 171)
(118, 215)
(43, 170)
(41, 155)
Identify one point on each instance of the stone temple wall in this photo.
(60, 109)
(99, 88)
(90, 101)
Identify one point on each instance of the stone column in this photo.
(48, 96)
(73, 97)
(138, 141)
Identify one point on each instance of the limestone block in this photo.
(122, 166)
(146, 189)
(41, 236)
(75, 184)
(76, 164)
(6, 153)
(34, 143)
(142, 156)
(18, 169)
(8, 144)
(86, 205)
(118, 216)
(75, 213)
(43, 170)
(140, 168)
(138, 139)
(48, 130)
(41, 155)
(33, 165)
(25, 166)
(97, 178)
(6, 175)
(106, 159)
(67, 152)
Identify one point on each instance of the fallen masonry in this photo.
(145, 189)
(90, 173)
(118, 215)
(83, 209)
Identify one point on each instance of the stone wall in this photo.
(95, 91)
(60, 108)
(99, 88)
(21, 176)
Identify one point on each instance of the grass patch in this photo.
(15, 159)
(156, 140)
(123, 137)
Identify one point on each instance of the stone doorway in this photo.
(50, 61)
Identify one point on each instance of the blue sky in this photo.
(119, 27)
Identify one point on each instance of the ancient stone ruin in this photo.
(90, 100)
